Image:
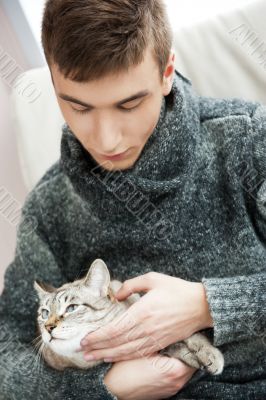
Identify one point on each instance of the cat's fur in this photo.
(62, 331)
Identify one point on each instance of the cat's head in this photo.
(66, 314)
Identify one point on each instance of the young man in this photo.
(176, 215)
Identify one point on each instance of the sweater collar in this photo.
(169, 152)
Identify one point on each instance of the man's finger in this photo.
(141, 346)
(141, 283)
(135, 333)
(117, 327)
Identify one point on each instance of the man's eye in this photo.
(71, 308)
(87, 110)
(84, 111)
(129, 109)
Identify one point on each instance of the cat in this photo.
(68, 313)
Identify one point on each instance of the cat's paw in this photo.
(209, 357)
(212, 360)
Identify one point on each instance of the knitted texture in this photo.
(192, 206)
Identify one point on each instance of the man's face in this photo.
(103, 126)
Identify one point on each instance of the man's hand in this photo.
(152, 378)
(171, 310)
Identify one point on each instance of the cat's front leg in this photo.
(181, 351)
(208, 356)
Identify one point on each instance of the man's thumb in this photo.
(139, 284)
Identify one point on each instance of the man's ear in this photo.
(43, 288)
(169, 74)
(98, 278)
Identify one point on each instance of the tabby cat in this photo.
(66, 314)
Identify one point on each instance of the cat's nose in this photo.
(50, 328)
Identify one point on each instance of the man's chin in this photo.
(122, 165)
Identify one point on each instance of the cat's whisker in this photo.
(38, 347)
(35, 362)
(36, 339)
(40, 356)
(37, 342)
(38, 362)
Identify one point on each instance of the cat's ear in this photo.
(98, 278)
(43, 288)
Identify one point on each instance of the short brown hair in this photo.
(89, 39)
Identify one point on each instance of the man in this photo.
(154, 179)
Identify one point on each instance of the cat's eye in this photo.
(71, 308)
(44, 313)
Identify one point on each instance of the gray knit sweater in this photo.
(192, 206)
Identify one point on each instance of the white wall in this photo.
(10, 176)
(187, 13)
(33, 11)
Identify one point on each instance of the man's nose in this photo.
(109, 138)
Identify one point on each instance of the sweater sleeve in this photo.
(23, 375)
(238, 304)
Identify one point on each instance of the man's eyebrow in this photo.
(135, 96)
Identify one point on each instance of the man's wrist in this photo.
(205, 317)
(108, 381)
